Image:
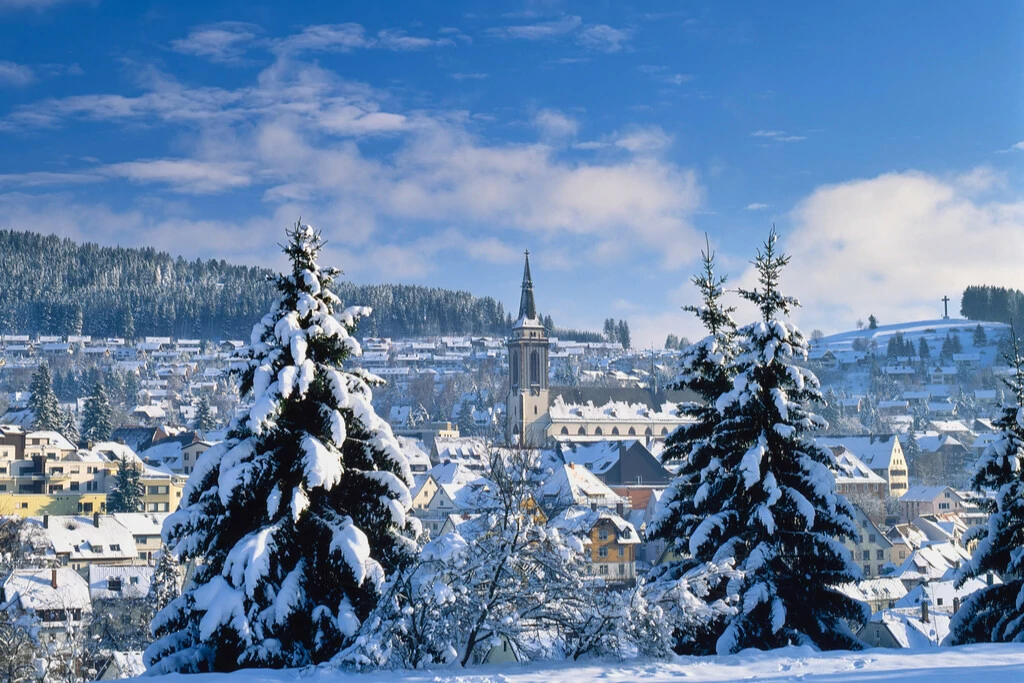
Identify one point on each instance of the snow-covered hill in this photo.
(932, 330)
(988, 663)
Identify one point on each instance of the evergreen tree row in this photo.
(992, 304)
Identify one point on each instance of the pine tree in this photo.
(204, 421)
(96, 421)
(767, 499)
(166, 583)
(467, 423)
(43, 402)
(127, 492)
(923, 350)
(980, 338)
(622, 334)
(300, 515)
(996, 613)
(68, 425)
(707, 368)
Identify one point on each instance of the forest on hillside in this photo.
(993, 304)
(52, 285)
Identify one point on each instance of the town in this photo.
(906, 429)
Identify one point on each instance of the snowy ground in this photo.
(988, 663)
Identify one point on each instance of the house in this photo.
(944, 459)
(943, 597)
(933, 562)
(108, 582)
(617, 463)
(879, 593)
(145, 528)
(122, 665)
(883, 454)
(929, 500)
(79, 542)
(860, 484)
(574, 485)
(58, 597)
(871, 550)
(610, 540)
(905, 629)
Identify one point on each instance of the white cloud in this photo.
(778, 135)
(351, 36)
(756, 206)
(225, 42)
(538, 31)
(468, 76)
(604, 38)
(637, 140)
(554, 124)
(183, 175)
(644, 139)
(894, 245)
(15, 74)
(45, 178)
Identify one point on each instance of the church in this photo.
(538, 414)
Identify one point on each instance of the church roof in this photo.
(527, 306)
(600, 396)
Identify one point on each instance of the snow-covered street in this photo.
(1001, 663)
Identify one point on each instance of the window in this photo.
(871, 538)
(602, 535)
(158, 490)
(602, 551)
(903, 554)
(622, 570)
(114, 584)
(157, 507)
(3, 487)
(114, 547)
(943, 506)
(75, 486)
(879, 554)
(938, 601)
(867, 570)
(867, 554)
(880, 569)
(603, 569)
(534, 368)
(622, 551)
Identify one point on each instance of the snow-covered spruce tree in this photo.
(204, 416)
(298, 517)
(706, 368)
(127, 491)
(46, 413)
(996, 613)
(166, 583)
(769, 504)
(96, 420)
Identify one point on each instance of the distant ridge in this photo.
(53, 285)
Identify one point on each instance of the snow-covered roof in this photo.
(579, 521)
(875, 452)
(612, 411)
(933, 562)
(576, 485)
(941, 594)
(51, 438)
(33, 589)
(910, 632)
(598, 457)
(924, 494)
(852, 470)
(84, 541)
(870, 590)
(141, 523)
(106, 581)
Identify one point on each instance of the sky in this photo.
(434, 142)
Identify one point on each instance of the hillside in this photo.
(932, 331)
(991, 663)
(52, 285)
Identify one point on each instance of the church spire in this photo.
(527, 307)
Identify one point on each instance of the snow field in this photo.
(1000, 663)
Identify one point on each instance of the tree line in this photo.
(992, 304)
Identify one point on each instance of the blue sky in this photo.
(433, 142)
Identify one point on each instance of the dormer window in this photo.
(114, 584)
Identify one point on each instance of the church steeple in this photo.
(527, 306)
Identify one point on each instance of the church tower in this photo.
(527, 405)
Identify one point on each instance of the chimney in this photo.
(46, 521)
(989, 579)
(620, 509)
(924, 609)
(53, 579)
(96, 519)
